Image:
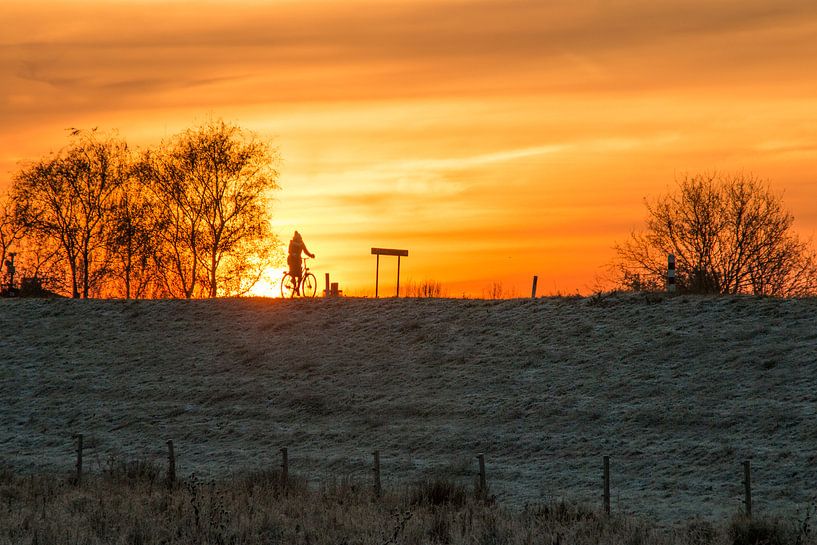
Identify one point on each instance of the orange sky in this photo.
(494, 139)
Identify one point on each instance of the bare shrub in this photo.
(424, 289)
(495, 291)
(729, 234)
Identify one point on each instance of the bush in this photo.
(435, 492)
(760, 531)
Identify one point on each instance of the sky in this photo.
(493, 139)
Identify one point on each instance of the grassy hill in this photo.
(677, 391)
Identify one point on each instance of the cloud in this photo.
(152, 54)
(409, 187)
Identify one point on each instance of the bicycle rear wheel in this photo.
(309, 285)
(289, 285)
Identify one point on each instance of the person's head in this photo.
(297, 236)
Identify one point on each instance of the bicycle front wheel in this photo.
(289, 286)
(309, 285)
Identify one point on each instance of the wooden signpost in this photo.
(387, 251)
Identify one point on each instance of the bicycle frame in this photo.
(297, 282)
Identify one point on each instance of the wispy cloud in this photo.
(455, 163)
(377, 50)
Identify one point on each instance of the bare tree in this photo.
(730, 234)
(66, 197)
(133, 241)
(177, 260)
(44, 206)
(212, 184)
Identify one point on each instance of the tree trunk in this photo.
(128, 266)
(213, 286)
(85, 275)
(74, 283)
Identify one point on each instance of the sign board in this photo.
(389, 251)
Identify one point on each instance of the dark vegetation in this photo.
(130, 502)
(187, 219)
(729, 234)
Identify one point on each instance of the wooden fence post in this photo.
(284, 467)
(171, 465)
(747, 486)
(607, 484)
(397, 293)
(533, 289)
(483, 482)
(378, 490)
(377, 276)
(79, 459)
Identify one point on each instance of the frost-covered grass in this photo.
(677, 391)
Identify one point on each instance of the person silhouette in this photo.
(296, 246)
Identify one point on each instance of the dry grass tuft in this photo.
(424, 289)
(765, 531)
(126, 505)
(436, 492)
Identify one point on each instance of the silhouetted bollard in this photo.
(607, 484)
(171, 465)
(378, 491)
(79, 458)
(747, 487)
(671, 273)
(533, 288)
(483, 482)
(284, 467)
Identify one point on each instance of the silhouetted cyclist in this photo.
(296, 246)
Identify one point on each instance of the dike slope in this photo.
(677, 391)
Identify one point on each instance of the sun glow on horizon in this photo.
(269, 285)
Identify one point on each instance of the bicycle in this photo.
(308, 285)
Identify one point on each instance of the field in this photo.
(677, 391)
